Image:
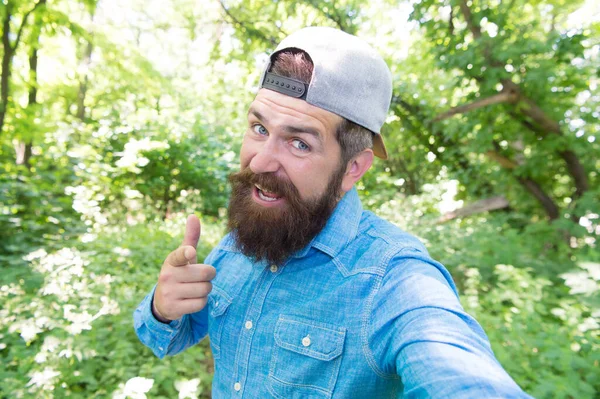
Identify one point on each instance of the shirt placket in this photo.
(249, 325)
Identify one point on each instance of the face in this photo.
(293, 140)
(290, 178)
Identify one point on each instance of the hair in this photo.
(352, 137)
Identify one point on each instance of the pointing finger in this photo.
(181, 256)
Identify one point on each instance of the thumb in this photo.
(192, 231)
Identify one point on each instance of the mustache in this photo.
(268, 181)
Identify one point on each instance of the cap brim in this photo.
(378, 147)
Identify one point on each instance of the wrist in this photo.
(157, 314)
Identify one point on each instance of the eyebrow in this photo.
(288, 128)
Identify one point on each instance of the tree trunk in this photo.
(83, 82)
(24, 148)
(6, 61)
(9, 52)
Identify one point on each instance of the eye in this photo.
(300, 145)
(260, 130)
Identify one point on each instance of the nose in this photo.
(266, 159)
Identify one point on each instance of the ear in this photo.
(356, 168)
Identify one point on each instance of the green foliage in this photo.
(545, 338)
(67, 323)
(536, 300)
(139, 113)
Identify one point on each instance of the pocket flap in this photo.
(315, 339)
(219, 301)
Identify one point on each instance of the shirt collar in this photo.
(341, 228)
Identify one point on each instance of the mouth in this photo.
(266, 197)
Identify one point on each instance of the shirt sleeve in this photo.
(168, 338)
(174, 337)
(421, 333)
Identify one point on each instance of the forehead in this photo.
(280, 110)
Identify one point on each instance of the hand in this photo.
(183, 285)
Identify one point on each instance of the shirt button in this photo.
(248, 325)
(237, 386)
(273, 268)
(306, 341)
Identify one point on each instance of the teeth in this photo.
(261, 194)
(265, 198)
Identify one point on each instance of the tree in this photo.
(12, 9)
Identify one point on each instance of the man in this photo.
(309, 296)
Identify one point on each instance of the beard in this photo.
(275, 233)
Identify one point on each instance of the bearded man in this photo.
(309, 296)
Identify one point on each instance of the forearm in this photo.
(450, 358)
(168, 338)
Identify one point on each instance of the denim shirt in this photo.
(361, 312)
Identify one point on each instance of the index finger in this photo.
(181, 256)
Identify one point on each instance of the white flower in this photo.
(44, 379)
(40, 253)
(122, 251)
(188, 388)
(135, 388)
(29, 330)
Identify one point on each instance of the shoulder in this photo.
(377, 242)
(402, 257)
(377, 228)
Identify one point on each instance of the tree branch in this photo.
(255, 31)
(502, 97)
(502, 160)
(529, 184)
(474, 28)
(23, 23)
(484, 205)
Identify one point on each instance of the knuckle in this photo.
(164, 276)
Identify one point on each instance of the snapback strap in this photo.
(288, 86)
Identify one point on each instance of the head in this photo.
(299, 157)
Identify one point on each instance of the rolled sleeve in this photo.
(167, 338)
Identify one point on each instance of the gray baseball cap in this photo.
(349, 78)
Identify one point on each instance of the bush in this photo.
(67, 327)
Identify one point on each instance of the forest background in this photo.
(119, 118)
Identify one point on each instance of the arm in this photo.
(174, 315)
(168, 338)
(422, 333)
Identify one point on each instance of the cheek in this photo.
(245, 154)
(310, 180)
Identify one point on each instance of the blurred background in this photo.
(119, 118)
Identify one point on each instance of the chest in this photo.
(300, 328)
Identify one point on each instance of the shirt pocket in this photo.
(306, 358)
(218, 302)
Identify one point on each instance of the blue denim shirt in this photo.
(361, 312)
